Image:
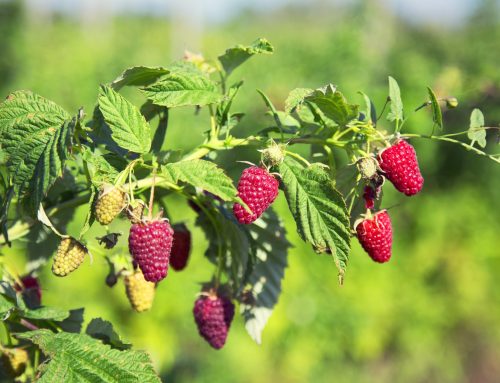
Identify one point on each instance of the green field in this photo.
(430, 315)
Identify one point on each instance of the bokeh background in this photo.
(432, 314)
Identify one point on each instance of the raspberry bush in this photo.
(329, 156)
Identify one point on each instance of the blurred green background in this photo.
(431, 315)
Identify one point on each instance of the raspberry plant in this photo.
(114, 157)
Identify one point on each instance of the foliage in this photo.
(171, 180)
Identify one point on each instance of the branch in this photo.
(447, 139)
(21, 228)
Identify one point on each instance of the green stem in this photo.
(36, 361)
(331, 159)
(215, 144)
(447, 139)
(353, 194)
(339, 134)
(298, 157)
(222, 81)
(214, 131)
(7, 332)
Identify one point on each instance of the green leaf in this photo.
(185, 67)
(79, 358)
(161, 132)
(6, 306)
(90, 216)
(318, 209)
(476, 132)
(73, 323)
(270, 248)
(437, 115)
(35, 133)
(396, 111)
(234, 57)
(296, 98)
(182, 89)
(272, 108)
(129, 128)
(202, 174)
(100, 169)
(286, 120)
(310, 114)
(46, 313)
(369, 111)
(139, 76)
(334, 105)
(103, 330)
(223, 110)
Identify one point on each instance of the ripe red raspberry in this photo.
(258, 189)
(181, 247)
(375, 235)
(400, 166)
(149, 244)
(213, 315)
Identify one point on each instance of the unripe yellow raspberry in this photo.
(70, 255)
(110, 203)
(140, 292)
(451, 102)
(273, 154)
(367, 167)
(14, 361)
(135, 211)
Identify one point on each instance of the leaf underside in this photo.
(234, 57)
(270, 248)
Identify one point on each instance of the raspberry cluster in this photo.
(213, 315)
(258, 189)
(150, 244)
(69, 256)
(399, 165)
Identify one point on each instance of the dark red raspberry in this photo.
(369, 195)
(375, 235)
(31, 290)
(258, 189)
(181, 247)
(213, 315)
(400, 166)
(150, 244)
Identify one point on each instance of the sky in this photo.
(445, 12)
